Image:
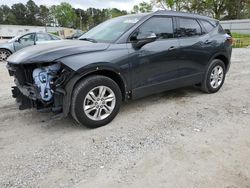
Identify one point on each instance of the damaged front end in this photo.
(39, 86)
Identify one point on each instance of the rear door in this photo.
(194, 50)
(43, 38)
(154, 67)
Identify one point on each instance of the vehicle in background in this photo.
(121, 59)
(25, 40)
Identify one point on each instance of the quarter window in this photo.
(208, 26)
(162, 27)
(188, 27)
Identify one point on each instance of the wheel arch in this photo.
(2, 48)
(223, 57)
(108, 72)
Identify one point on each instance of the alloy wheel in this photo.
(216, 77)
(4, 55)
(99, 103)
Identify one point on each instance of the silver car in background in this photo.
(25, 40)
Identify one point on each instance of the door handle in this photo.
(172, 48)
(208, 41)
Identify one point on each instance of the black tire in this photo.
(7, 52)
(80, 92)
(206, 83)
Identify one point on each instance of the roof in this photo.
(171, 13)
(184, 14)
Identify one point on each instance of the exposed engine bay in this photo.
(43, 77)
(39, 87)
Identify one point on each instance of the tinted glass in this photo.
(42, 37)
(221, 30)
(162, 27)
(188, 27)
(214, 23)
(208, 26)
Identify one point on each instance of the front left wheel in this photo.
(96, 101)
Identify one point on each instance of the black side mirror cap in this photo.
(228, 32)
(141, 42)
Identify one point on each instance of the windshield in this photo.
(112, 29)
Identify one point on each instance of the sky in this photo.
(84, 4)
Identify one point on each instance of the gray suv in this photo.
(124, 58)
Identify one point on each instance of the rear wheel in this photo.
(214, 77)
(4, 54)
(96, 101)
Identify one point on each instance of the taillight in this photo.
(229, 39)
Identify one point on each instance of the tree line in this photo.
(219, 9)
(66, 16)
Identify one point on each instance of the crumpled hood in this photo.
(53, 51)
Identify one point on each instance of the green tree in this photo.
(142, 8)
(20, 11)
(44, 15)
(196, 6)
(135, 9)
(32, 13)
(217, 7)
(248, 10)
(64, 14)
(236, 9)
(52, 13)
(114, 12)
(6, 15)
(176, 5)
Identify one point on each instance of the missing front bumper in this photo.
(22, 101)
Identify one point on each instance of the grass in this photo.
(241, 40)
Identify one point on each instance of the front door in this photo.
(24, 41)
(154, 66)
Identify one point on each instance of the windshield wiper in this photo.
(89, 39)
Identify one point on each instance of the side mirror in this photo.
(141, 42)
(17, 40)
(228, 32)
(152, 36)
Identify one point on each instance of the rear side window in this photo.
(188, 27)
(207, 25)
(42, 37)
(161, 26)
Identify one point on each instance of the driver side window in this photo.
(161, 26)
(29, 38)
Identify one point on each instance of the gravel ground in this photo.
(180, 138)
